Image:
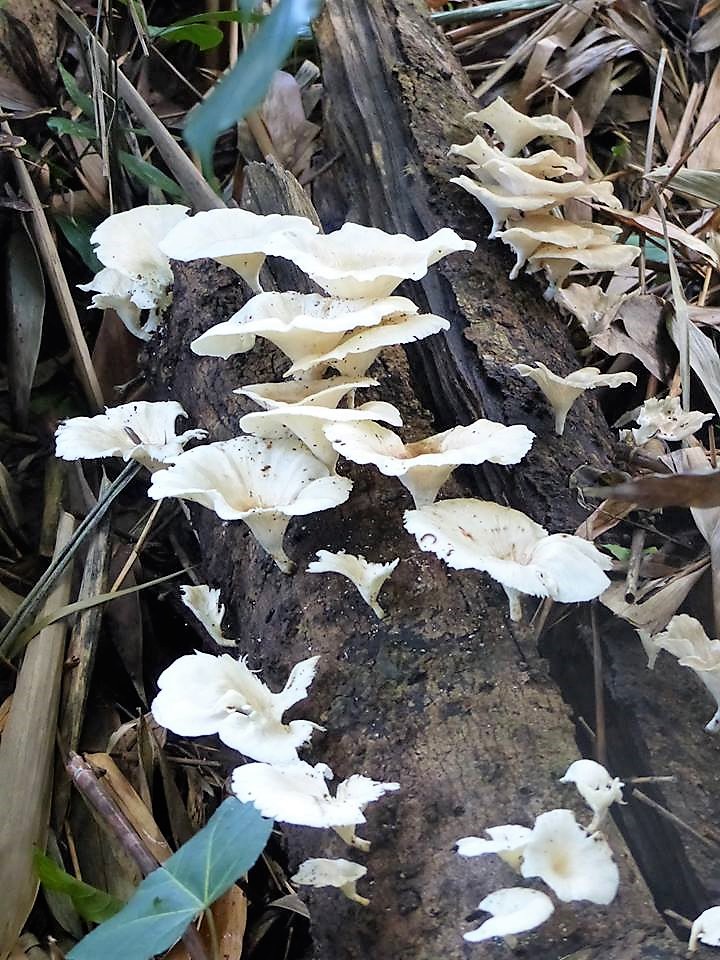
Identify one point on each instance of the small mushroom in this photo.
(142, 431)
(514, 910)
(539, 229)
(604, 253)
(369, 578)
(517, 552)
(343, 874)
(597, 788)
(507, 841)
(576, 865)
(321, 393)
(359, 791)
(298, 793)
(705, 929)
(515, 130)
(201, 695)
(136, 275)
(512, 179)
(424, 466)
(501, 204)
(666, 420)
(562, 392)
(593, 308)
(235, 238)
(297, 323)
(360, 262)
(547, 163)
(263, 483)
(308, 423)
(205, 605)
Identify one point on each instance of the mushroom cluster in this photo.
(524, 196)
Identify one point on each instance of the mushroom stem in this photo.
(714, 725)
(561, 413)
(424, 483)
(516, 613)
(351, 893)
(269, 531)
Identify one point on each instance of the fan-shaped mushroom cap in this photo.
(591, 306)
(297, 323)
(514, 180)
(142, 431)
(597, 788)
(685, 638)
(360, 791)
(201, 695)
(516, 130)
(424, 466)
(574, 864)
(137, 275)
(308, 422)
(545, 163)
(517, 552)
(666, 420)
(705, 929)
(237, 239)
(357, 261)
(314, 393)
(514, 910)
(205, 605)
(356, 352)
(562, 392)
(507, 841)
(540, 229)
(263, 483)
(367, 577)
(604, 253)
(343, 874)
(501, 204)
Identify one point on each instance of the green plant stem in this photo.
(27, 608)
(470, 14)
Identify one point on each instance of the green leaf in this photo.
(76, 231)
(74, 128)
(620, 553)
(203, 35)
(244, 87)
(189, 882)
(150, 175)
(486, 10)
(701, 184)
(92, 904)
(78, 97)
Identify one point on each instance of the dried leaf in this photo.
(657, 601)
(680, 490)
(26, 308)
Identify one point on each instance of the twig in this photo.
(599, 689)
(679, 918)
(92, 790)
(673, 818)
(487, 10)
(637, 545)
(127, 566)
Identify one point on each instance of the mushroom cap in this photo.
(595, 785)
(512, 548)
(129, 242)
(298, 323)
(514, 910)
(516, 130)
(322, 393)
(513, 180)
(205, 605)
(142, 431)
(235, 238)
(247, 476)
(501, 204)
(666, 420)
(545, 163)
(357, 261)
(574, 864)
(128, 297)
(507, 838)
(591, 306)
(706, 929)
(323, 872)
(539, 229)
(368, 577)
(201, 695)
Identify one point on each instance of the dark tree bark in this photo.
(445, 695)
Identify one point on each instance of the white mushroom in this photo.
(141, 431)
(137, 275)
(321, 393)
(539, 228)
(237, 239)
(592, 307)
(666, 420)
(297, 323)
(359, 791)
(515, 181)
(356, 352)
(357, 261)
(545, 163)
(201, 695)
(597, 788)
(574, 864)
(367, 577)
(517, 552)
(516, 130)
(263, 483)
(507, 841)
(705, 929)
(603, 254)
(308, 423)
(562, 392)
(298, 794)
(686, 639)
(424, 466)
(205, 604)
(501, 204)
(343, 874)
(514, 910)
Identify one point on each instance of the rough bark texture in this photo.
(445, 695)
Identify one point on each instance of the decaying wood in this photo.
(445, 695)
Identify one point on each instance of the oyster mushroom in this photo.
(237, 239)
(514, 910)
(369, 578)
(516, 130)
(314, 393)
(562, 392)
(597, 788)
(705, 929)
(539, 229)
(322, 872)
(517, 552)
(205, 605)
(263, 483)
(507, 841)
(666, 420)
(546, 163)
(424, 466)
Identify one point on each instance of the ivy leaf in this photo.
(150, 175)
(189, 882)
(244, 87)
(91, 903)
